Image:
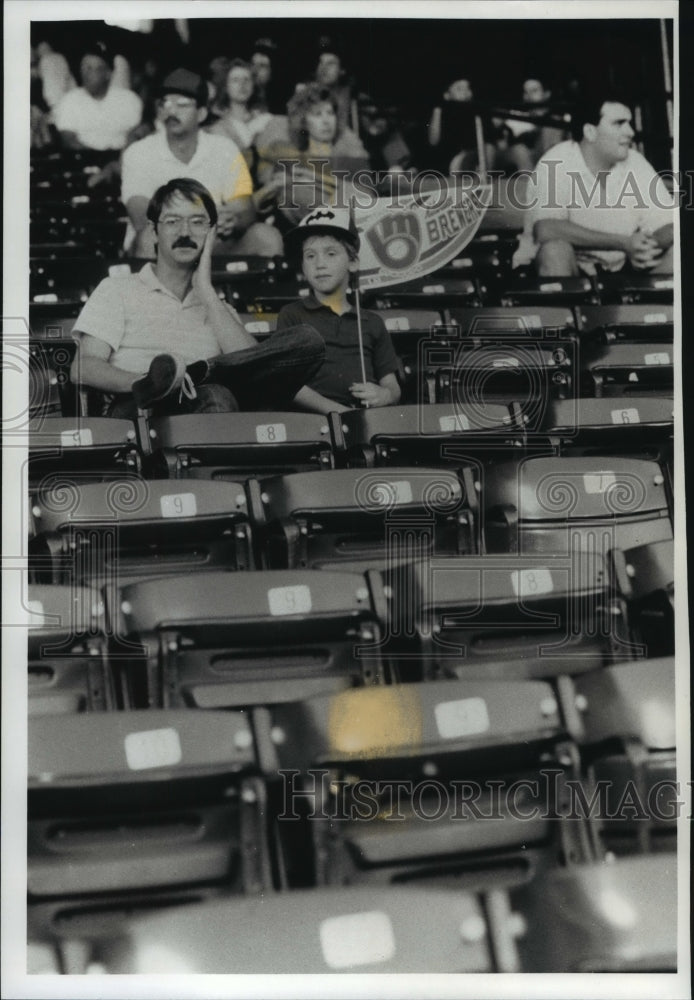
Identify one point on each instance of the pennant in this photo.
(412, 235)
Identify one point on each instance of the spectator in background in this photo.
(99, 114)
(51, 78)
(452, 131)
(217, 73)
(183, 149)
(266, 96)
(597, 203)
(524, 143)
(241, 121)
(298, 158)
(330, 75)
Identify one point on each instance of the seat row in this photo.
(150, 826)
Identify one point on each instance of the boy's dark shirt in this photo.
(342, 366)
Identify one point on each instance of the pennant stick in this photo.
(357, 302)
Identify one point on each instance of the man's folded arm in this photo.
(578, 236)
(91, 367)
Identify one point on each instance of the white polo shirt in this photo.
(139, 318)
(102, 124)
(562, 188)
(217, 163)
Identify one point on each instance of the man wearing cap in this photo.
(182, 149)
(350, 376)
(163, 339)
(97, 115)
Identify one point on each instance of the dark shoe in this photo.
(165, 375)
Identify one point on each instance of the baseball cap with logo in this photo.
(321, 221)
(184, 81)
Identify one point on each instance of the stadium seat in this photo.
(430, 292)
(554, 504)
(384, 772)
(599, 426)
(535, 291)
(646, 576)
(215, 640)
(317, 931)
(105, 532)
(68, 669)
(524, 372)
(422, 435)
(504, 617)
(548, 322)
(214, 446)
(627, 368)
(410, 331)
(69, 280)
(261, 326)
(635, 287)
(131, 810)
(88, 447)
(50, 389)
(624, 722)
(362, 514)
(614, 916)
(627, 322)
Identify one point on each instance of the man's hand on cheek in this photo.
(202, 276)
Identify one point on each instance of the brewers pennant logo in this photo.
(415, 235)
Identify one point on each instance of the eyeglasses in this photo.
(176, 102)
(175, 223)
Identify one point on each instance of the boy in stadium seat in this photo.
(329, 249)
(163, 339)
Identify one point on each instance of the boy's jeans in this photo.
(264, 377)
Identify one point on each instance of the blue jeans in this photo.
(264, 377)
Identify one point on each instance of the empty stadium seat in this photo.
(499, 617)
(89, 447)
(574, 503)
(623, 718)
(217, 640)
(50, 389)
(635, 287)
(362, 514)
(526, 372)
(535, 291)
(432, 291)
(541, 321)
(614, 916)
(601, 426)
(133, 810)
(105, 532)
(355, 930)
(627, 322)
(68, 668)
(627, 368)
(219, 446)
(400, 762)
(422, 435)
(646, 575)
(410, 330)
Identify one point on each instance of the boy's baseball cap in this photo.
(321, 221)
(184, 81)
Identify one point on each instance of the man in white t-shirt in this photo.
(596, 202)
(182, 149)
(97, 115)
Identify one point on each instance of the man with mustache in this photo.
(180, 148)
(163, 339)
